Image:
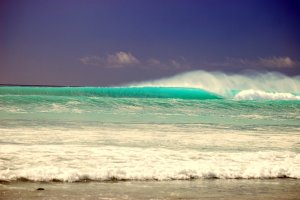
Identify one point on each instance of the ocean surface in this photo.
(197, 125)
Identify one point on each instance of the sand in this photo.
(198, 189)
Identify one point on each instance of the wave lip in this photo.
(262, 95)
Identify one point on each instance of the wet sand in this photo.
(199, 189)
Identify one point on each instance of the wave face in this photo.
(117, 92)
(197, 125)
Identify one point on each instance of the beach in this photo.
(280, 189)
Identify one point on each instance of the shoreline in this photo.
(224, 189)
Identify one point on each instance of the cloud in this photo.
(117, 60)
(277, 62)
(121, 59)
(172, 64)
(267, 62)
(91, 60)
(153, 61)
(175, 64)
(179, 64)
(124, 59)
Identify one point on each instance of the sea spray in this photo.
(227, 84)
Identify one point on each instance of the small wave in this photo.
(121, 175)
(262, 95)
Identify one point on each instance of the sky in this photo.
(113, 42)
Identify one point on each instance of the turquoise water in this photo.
(142, 105)
(149, 131)
(118, 92)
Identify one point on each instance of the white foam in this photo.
(146, 152)
(110, 163)
(60, 108)
(259, 95)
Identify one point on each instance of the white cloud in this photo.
(172, 64)
(181, 64)
(153, 61)
(177, 65)
(268, 62)
(117, 60)
(121, 59)
(277, 62)
(91, 60)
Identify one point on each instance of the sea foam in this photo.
(262, 95)
(71, 164)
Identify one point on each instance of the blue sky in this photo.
(111, 42)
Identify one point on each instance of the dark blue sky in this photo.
(109, 42)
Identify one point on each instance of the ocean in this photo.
(193, 126)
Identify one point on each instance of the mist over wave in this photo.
(269, 85)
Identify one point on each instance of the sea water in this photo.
(197, 125)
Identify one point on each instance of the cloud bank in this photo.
(117, 60)
(266, 62)
(121, 59)
(277, 62)
(126, 59)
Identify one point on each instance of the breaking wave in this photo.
(254, 86)
(199, 85)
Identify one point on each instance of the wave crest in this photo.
(270, 85)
